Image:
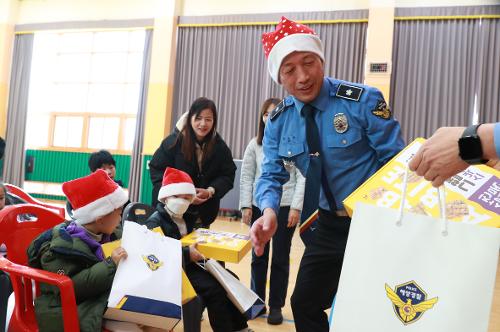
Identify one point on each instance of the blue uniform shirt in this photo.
(496, 138)
(350, 155)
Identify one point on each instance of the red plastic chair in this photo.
(29, 199)
(22, 277)
(19, 225)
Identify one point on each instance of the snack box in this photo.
(472, 196)
(222, 246)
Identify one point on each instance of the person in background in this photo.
(175, 195)
(288, 217)
(199, 151)
(102, 159)
(337, 134)
(2, 148)
(3, 195)
(5, 285)
(452, 149)
(74, 249)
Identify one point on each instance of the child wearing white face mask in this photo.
(176, 193)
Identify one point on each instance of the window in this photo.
(84, 90)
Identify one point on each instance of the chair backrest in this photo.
(20, 224)
(137, 212)
(13, 199)
(29, 199)
(22, 277)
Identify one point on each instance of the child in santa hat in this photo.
(73, 248)
(177, 193)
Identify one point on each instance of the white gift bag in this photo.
(247, 302)
(147, 286)
(410, 272)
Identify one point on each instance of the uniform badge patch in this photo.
(350, 92)
(340, 123)
(409, 301)
(382, 110)
(277, 111)
(152, 262)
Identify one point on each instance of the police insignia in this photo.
(340, 123)
(350, 92)
(277, 111)
(382, 110)
(409, 301)
(152, 262)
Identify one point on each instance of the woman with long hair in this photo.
(288, 217)
(199, 151)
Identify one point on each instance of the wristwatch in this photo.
(211, 191)
(470, 147)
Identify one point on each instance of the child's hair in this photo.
(99, 158)
(3, 187)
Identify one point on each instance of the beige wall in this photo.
(38, 11)
(8, 14)
(438, 3)
(223, 7)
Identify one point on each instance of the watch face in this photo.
(470, 148)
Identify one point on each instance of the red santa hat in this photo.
(93, 196)
(289, 37)
(176, 182)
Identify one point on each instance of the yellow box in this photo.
(222, 246)
(472, 196)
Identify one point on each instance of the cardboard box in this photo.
(222, 246)
(472, 196)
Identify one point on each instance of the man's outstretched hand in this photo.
(263, 230)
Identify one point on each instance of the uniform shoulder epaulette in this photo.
(278, 110)
(350, 92)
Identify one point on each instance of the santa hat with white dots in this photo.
(289, 37)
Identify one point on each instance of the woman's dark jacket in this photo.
(218, 171)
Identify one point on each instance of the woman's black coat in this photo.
(218, 171)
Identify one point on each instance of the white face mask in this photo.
(177, 206)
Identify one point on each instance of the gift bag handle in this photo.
(441, 202)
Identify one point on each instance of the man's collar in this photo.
(321, 101)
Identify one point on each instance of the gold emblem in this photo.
(152, 262)
(382, 110)
(409, 301)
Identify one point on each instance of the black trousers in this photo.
(280, 262)
(223, 315)
(5, 290)
(319, 273)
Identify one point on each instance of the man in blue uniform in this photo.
(338, 134)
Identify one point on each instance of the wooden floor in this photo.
(260, 325)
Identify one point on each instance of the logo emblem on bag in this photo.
(409, 301)
(152, 262)
(340, 123)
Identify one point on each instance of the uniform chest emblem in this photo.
(152, 262)
(340, 123)
(409, 301)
